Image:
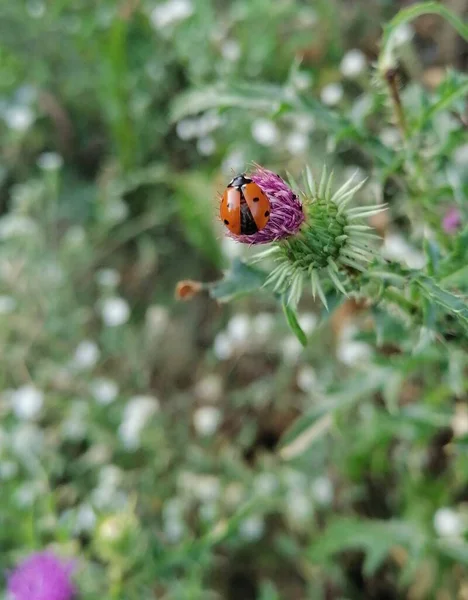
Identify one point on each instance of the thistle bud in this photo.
(314, 234)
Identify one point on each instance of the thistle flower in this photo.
(42, 576)
(320, 237)
(452, 220)
(286, 213)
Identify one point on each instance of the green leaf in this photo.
(375, 538)
(456, 550)
(456, 305)
(291, 318)
(432, 252)
(413, 12)
(310, 427)
(195, 210)
(452, 89)
(240, 280)
(261, 97)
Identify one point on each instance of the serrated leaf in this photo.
(453, 88)
(376, 538)
(453, 304)
(291, 318)
(310, 427)
(261, 97)
(240, 280)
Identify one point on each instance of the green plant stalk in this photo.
(409, 14)
(392, 83)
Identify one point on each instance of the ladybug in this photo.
(244, 209)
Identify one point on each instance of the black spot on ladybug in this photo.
(267, 213)
(228, 205)
(226, 222)
(256, 199)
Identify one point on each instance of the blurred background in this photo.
(147, 437)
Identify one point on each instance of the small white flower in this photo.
(206, 146)
(239, 329)
(206, 420)
(352, 352)
(187, 129)
(12, 226)
(104, 390)
(447, 522)
(7, 305)
(291, 349)
(109, 278)
(295, 480)
(332, 94)
(302, 80)
(262, 325)
(74, 238)
(50, 161)
(115, 311)
(75, 426)
(231, 50)
(85, 519)
(353, 64)
(308, 322)
(157, 319)
(110, 476)
(298, 507)
(205, 488)
(233, 163)
(397, 248)
(306, 379)
(460, 156)
(8, 469)
(208, 512)
(460, 420)
(234, 494)
(252, 528)
(173, 530)
(265, 132)
(297, 142)
(223, 346)
(27, 493)
(27, 440)
(136, 415)
(170, 12)
(27, 402)
(403, 34)
(322, 490)
(115, 211)
(86, 355)
(308, 17)
(208, 122)
(266, 484)
(209, 388)
(389, 136)
(19, 118)
(36, 9)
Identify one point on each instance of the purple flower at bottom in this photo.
(41, 576)
(452, 220)
(286, 213)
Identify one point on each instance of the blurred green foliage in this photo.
(186, 451)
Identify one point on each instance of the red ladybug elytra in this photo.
(244, 209)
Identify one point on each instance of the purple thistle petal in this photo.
(42, 576)
(286, 213)
(452, 220)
